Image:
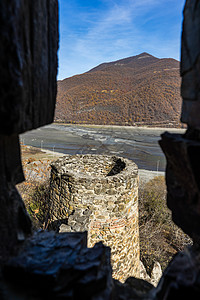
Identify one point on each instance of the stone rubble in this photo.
(156, 273)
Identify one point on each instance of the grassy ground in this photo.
(35, 189)
(28, 152)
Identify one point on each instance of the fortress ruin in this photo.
(99, 194)
(46, 265)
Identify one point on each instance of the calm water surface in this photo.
(137, 144)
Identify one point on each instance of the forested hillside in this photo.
(137, 90)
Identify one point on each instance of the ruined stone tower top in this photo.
(92, 166)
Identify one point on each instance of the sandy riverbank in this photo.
(171, 129)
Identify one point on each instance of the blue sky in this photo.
(97, 31)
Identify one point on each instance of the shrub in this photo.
(36, 200)
(160, 238)
(38, 207)
(152, 201)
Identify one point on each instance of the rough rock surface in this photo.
(15, 224)
(28, 64)
(181, 278)
(190, 64)
(59, 266)
(28, 67)
(156, 273)
(182, 176)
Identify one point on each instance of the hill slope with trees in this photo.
(138, 90)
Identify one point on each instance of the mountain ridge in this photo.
(137, 89)
(123, 61)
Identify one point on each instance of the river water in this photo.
(138, 144)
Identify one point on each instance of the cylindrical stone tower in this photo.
(99, 193)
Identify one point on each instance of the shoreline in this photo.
(121, 126)
(144, 175)
(50, 156)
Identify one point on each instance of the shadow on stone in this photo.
(118, 167)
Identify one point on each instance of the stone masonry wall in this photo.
(99, 194)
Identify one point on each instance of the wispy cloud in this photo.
(117, 29)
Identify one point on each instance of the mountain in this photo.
(141, 89)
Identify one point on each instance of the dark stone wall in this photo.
(28, 64)
(181, 278)
(28, 68)
(182, 151)
(190, 64)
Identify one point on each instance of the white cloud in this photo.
(119, 31)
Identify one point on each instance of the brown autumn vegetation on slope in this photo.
(140, 89)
